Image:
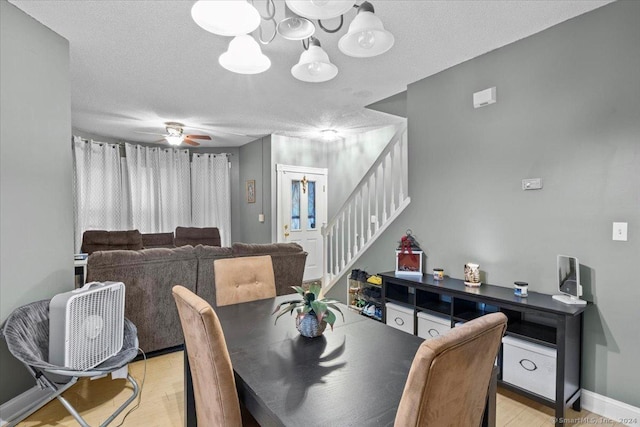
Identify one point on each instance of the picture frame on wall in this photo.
(251, 191)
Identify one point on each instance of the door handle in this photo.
(286, 231)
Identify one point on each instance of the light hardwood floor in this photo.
(162, 401)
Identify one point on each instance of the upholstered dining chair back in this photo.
(449, 377)
(243, 279)
(213, 382)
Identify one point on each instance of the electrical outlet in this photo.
(620, 231)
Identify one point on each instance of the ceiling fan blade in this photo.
(207, 137)
(190, 142)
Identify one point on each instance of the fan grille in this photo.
(95, 326)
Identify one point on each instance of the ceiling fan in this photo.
(175, 135)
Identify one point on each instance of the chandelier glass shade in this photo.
(366, 36)
(320, 9)
(225, 17)
(294, 27)
(314, 65)
(244, 56)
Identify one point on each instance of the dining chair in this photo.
(214, 385)
(449, 378)
(243, 279)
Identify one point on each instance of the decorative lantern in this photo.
(409, 257)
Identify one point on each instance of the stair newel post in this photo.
(355, 225)
(369, 208)
(349, 233)
(392, 172)
(362, 218)
(344, 241)
(403, 167)
(336, 227)
(325, 254)
(384, 192)
(376, 194)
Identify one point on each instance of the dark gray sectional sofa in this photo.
(149, 275)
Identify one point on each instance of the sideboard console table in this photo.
(537, 322)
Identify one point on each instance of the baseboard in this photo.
(9, 409)
(610, 408)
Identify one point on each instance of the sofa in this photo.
(149, 275)
(102, 240)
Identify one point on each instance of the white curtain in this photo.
(211, 194)
(159, 188)
(98, 188)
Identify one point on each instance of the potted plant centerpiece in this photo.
(313, 312)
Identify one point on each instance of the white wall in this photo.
(36, 209)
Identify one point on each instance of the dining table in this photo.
(352, 375)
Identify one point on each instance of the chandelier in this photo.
(365, 38)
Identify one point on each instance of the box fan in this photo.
(86, 325)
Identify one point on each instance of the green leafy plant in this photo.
(311, 304)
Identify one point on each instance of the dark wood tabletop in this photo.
(353, 375)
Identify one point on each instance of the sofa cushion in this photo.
(101, 240)
(197, 236)
(157, 240)
(243, 249)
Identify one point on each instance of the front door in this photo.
(302, 211)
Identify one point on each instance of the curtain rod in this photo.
(122, 143)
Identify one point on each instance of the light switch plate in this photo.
(620, 231)
(532, 183)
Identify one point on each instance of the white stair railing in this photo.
(376, 202)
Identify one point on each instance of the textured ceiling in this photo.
(137, 64)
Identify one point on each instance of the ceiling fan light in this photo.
(225, 17)
(366, 36)
(174, 139)
(244, 56)
(329, 134)
(294, 27)
(314, 66)
(320, 9)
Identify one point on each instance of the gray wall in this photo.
(255, 163)
(568, 111)
(36, 208)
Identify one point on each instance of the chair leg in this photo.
(54, 392)
(72, 410)
(136, 391)
(65, 402)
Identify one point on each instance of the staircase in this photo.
(376, 202)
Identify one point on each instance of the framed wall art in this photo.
(251, 191)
